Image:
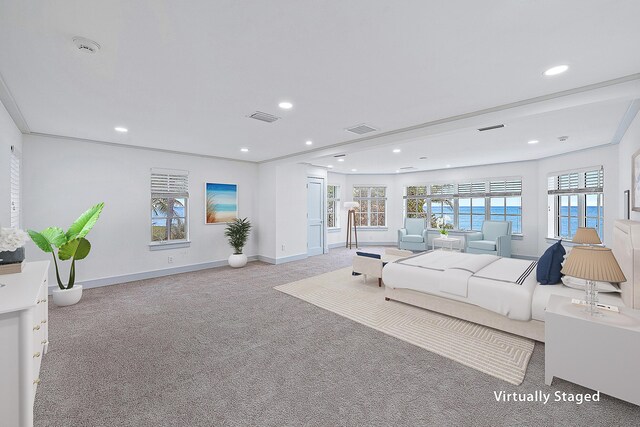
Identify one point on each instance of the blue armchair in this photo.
(495, 239)
(414, 235)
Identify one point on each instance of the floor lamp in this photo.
(351, 222)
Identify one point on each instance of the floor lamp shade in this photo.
(586, 236)
(593, 263)
(351, 205)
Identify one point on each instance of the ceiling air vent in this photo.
(263, 117)
(339, 155)
(86, 45)
(406, 168)
(491, 128)
(361, 129)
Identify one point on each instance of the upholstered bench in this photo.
(371, 264)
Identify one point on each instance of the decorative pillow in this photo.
(550, 264)
(575, 283)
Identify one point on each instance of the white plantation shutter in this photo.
(15, 188)
(443, 190)
(471, 189)
(590, 180)
(511, 187)
(169, 183)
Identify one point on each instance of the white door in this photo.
(315, 216)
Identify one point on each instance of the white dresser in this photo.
(24, 340)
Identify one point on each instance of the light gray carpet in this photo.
(222, 348)
(500, 354)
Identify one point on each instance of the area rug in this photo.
(496, 353)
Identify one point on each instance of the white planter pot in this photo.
(238, 260)
(64, 297)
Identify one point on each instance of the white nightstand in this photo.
(450, 243)
(601, 353)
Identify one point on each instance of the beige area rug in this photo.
(499, 354)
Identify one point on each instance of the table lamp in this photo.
(351, 222)
(586, 236)
(593, 263)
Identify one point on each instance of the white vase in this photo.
(237, 260)
(62, 297)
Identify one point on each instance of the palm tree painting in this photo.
(221, 203)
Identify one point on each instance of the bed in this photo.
(501, 293)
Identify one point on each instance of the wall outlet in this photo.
(282, 248)
(170, 260)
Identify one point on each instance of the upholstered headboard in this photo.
(626, 248)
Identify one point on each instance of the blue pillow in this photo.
(550, 264)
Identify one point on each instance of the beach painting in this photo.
(221, 203)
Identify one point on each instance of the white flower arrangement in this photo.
(12, 239)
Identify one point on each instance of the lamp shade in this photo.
(593, 263)
(351, 205)
(586, 236)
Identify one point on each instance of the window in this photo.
(15, 188)
(333, 206)
(465, 206)
(373, 206)
(575, 200)
(169, 206)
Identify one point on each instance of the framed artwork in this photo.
(635, 184)
(221, 203)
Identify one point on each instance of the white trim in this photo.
(126, 278)
(169, 244)
(276, 261)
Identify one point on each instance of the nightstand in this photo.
(601, 353)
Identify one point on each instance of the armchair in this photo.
(495, 238)
(414, 235)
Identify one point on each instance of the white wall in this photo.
(630, 144)
(9, 135)
(62, 178)
(606, 156)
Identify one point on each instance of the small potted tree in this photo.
(71, 245)
(237, 232)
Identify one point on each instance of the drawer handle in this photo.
(36, 354)
(36, 381)
(36, 328)
(44, 321)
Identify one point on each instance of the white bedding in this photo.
(487, 281)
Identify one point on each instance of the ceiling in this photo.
(184, 76)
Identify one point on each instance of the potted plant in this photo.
(238, 232)
(12, 242)
(71, 245)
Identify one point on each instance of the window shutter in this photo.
(583, 181)
(443, 190)
(472, 189)
(15, 188)
(594, 180)
(506, 188)
(169, 183)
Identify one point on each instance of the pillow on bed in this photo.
(550, 264)
(575, 283)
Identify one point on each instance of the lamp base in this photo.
(591, 298)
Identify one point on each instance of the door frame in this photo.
(323, 207)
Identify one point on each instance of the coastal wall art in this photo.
(221, 203)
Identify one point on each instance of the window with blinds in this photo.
(15, 188)
(575, 199)
(169, 205)
(466, 205)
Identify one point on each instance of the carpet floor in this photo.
(221, 347)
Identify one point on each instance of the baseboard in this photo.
(360, 244)
(125, 278)
(282, 260)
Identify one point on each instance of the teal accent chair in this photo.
(495, 238)
(414, 235)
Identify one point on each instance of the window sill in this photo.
(161, 246)
(333, 229)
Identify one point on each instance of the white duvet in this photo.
(502, 285)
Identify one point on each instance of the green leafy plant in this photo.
(71, 245)
(238, 232)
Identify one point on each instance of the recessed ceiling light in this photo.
(533, 141)
(329, 166)
(285, 105)
(341, 160)
(309, 142)
(354, 170)
(121, 129)
(398, 171)
(244, 150)
(558, 69)
(448, 166)
(396, 150)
